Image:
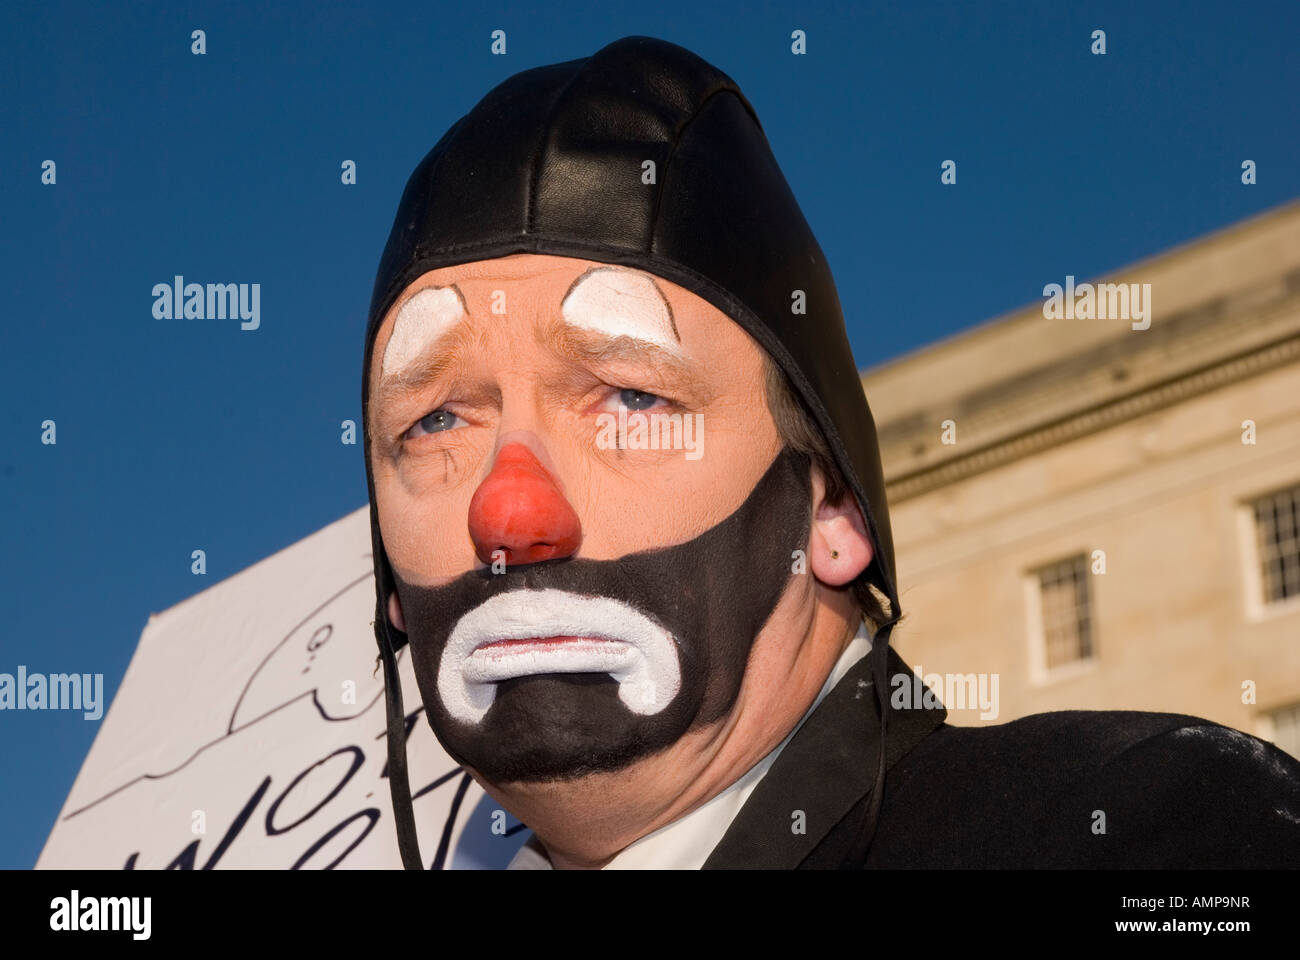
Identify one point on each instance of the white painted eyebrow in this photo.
(621, 303)
(421, 321)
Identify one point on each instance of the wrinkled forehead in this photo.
(445, 309)
(613, 301)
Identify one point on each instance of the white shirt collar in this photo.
(687, 842)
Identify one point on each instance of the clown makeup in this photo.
(561, 668)
(420, 323)
(621, 303)
(572, 608)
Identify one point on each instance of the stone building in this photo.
(1089, 514)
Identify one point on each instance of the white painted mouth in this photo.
(608, 637)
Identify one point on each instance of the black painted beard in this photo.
(673, 630)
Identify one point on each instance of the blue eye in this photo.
(637, 399)
(436, 422)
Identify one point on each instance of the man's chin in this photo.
(557, 728)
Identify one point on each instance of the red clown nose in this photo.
(519, 509)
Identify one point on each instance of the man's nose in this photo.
(520, 510)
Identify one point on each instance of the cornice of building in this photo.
(1024, 383)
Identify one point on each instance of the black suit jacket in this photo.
(1168, 790)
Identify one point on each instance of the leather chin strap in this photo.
(399, 781)
(856, 858)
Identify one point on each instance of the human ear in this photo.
(839, 548)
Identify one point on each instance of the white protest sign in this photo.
(249, 732)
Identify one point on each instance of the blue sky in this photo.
(226, 167)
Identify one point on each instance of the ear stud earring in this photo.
(835, 554)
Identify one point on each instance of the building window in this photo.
(1065, 606)
(1277, 532)
(1285, 725)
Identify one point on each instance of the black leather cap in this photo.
(551, 161)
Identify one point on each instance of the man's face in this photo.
(574, 598)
